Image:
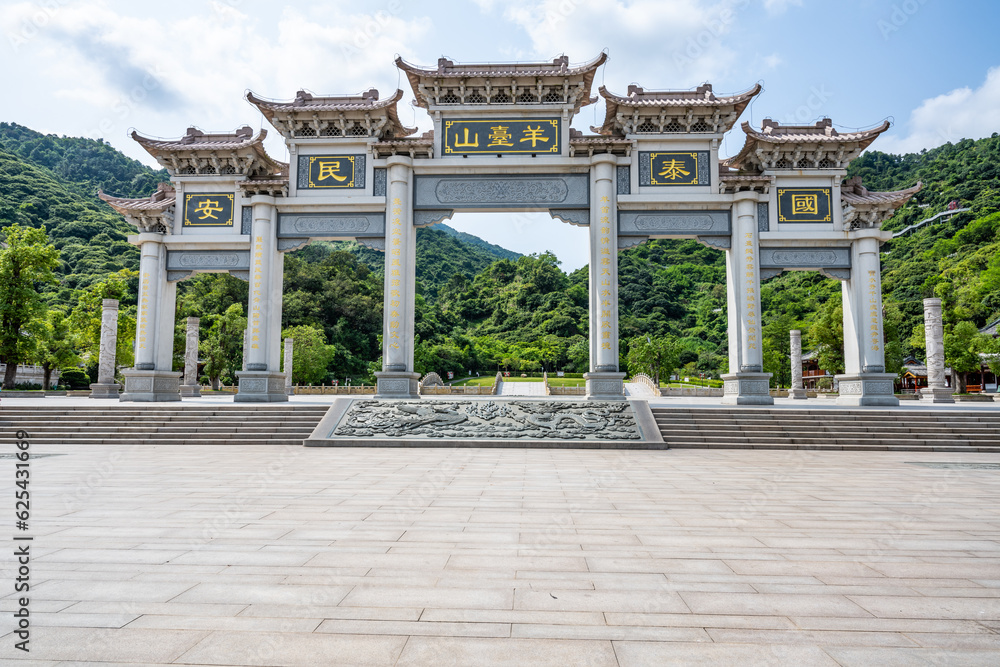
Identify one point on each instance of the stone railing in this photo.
(432, 379)
(567, 391)
(497, 381)
(691, 391)
(647, 382)
(545, 383)
(469, 389)
(336, 391)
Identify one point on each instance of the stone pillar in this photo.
(397, 379)
(604, 381)
(746, 383)
(797, 390)
(191, 386)
(262, 382)
(288, 366)
(152, 378)
(934, 337)
(864, 381)
(105, 387)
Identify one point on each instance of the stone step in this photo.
(823, 428)
(284, 441)
(830, 429)
(854, 447)
(151, 425)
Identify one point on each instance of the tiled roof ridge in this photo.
(164, 196)
(703, 94)
(196, 137)
(558, 67)
(823, 130)
(304, 100)
(853, 192)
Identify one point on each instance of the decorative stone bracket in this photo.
(673, 224)
(832, 262)
(297, 230)
(182, 264)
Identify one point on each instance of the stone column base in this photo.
(604, 386)
(937, 395)
(397, 384)
(190, 390)
(797, 393)
(151, 386)
(746, 389)
(260, 387)
(866, 389)
(98, 390)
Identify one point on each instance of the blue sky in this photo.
(100, 67)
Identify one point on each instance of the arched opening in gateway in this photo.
(503, 292)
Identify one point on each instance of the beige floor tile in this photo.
(459, 652)
(643, 654)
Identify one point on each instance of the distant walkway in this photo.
(522, 389)
(920, 224)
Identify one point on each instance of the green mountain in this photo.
(495, 250)
(480, 306)
(81, 165)
(90, 236)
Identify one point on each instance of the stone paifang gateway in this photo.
(502, 141)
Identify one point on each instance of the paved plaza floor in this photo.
(298, 556)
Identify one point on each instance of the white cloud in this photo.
(963, 113)
(778, 6)
(663, 43)
(161, 74)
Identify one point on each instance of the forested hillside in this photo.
(480, 307)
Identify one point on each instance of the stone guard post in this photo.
(288, 366)
(797, 390)
(191, 387)
(105, 387)
(934, 337)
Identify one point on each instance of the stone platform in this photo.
(488, 422)
(262, 555)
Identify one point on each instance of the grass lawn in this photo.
(484, 381)
(488, 381)
(567, 382)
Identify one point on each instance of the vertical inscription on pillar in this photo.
(257, 280)
(144, 312)
(393, 254)
(875, 334)
(605, 267)
(750, 291)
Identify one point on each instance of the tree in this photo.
(223, 347)
(653, 356)
(85, 319)
(54, 348)
(827, 335)
(961, 351)
(311, 355)
(27, 261)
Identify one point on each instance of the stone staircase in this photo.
(159, 424)
(830, 429)
(522, 389)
